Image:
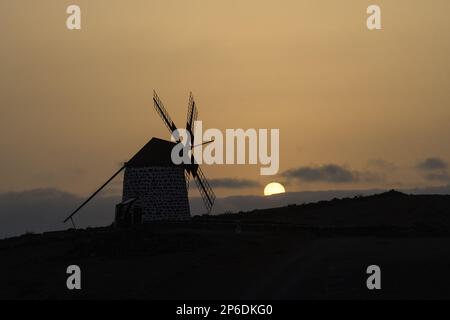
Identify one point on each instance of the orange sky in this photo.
(74, 104)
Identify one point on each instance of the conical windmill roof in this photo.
(155, 153)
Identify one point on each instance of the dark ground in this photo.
(314, 251)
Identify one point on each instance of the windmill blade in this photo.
(205, 189)
(187, 178)
(94, 194)
(163, 113)
(191, 117)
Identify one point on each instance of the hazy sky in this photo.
(355, 108)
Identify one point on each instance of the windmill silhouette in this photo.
(154, 188)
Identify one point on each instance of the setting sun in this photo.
(273, 188)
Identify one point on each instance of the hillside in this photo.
(391, 209)
(317, 250)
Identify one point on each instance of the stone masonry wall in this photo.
(161, 192)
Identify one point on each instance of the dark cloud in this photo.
(435, 169)
(330, 173)
(44, 210)
(441, 176)
(230, 183)
(432, 164)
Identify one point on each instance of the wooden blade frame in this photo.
(163, 113)
(191, 117)
(205, 189)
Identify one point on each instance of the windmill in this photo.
(154, 188)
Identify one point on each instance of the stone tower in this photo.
(156, 184)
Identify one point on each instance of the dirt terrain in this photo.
(284, 253)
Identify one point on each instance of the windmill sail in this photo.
(163, 113)
(190, 121)
(191, 117)
(205, 189)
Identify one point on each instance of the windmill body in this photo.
(157, 185)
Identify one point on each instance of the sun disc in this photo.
(274, 188)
